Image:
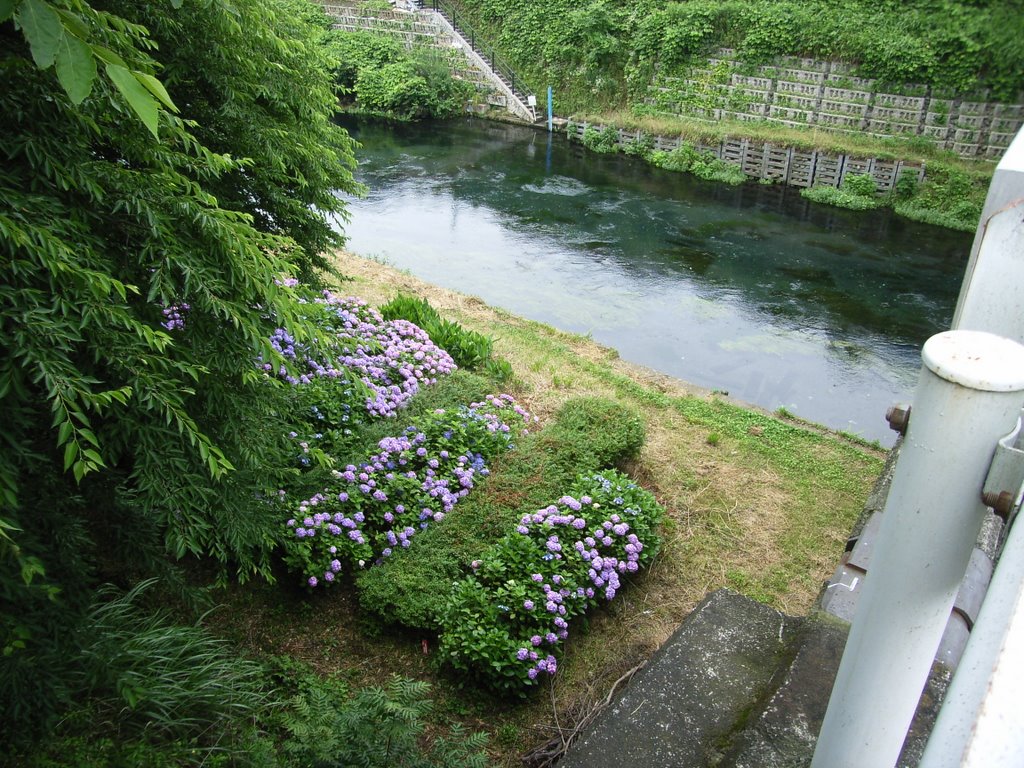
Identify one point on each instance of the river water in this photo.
(747, 290)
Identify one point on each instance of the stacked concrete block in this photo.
(798, 92)
(785, 165)
(776, 163)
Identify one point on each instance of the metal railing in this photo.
(483, 49)
(963, 452)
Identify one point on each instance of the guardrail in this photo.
(963, 452)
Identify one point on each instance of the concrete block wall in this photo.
(784, 165)
(806, 92)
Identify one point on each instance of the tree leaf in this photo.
(42, 28)
(70, 454)
(107, 56)
(7, 9)
(138, 98)
(176, 4)
(76, 68)
(155, 87)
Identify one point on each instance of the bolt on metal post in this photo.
(968, 396)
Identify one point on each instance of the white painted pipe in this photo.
(991, 299)
(968, 396)
(979, 725)
(989, 295)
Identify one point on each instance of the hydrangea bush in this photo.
(417, 477)
(392, 358)
(505, 622)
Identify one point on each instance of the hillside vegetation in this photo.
(602, 55)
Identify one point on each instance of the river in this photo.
(748, 290)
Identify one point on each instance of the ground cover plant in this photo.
(416, 478)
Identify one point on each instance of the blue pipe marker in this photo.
(550, 113)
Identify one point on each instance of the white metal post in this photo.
(979, 725)
(990, 296)
(968, 396)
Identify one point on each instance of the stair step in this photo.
(706, 677)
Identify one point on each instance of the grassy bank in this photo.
(952, 194)
(752, 502)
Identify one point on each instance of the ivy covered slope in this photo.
(143, 232)
(590, 51)
(377, 75)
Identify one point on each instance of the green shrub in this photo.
(378, 727)
(605, 141)
(372, 510)
(906, 186)
(642, 146)
(687, 159)
(148, 691)
(468, 348)
(860, 184)
(384, 78)
(588, 434)
(503, 622)
(841, 198)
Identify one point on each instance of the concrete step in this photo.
(784, 732)
(683, 707)
(738, 685)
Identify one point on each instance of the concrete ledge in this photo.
(697, 690)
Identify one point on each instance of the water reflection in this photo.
(750, 289)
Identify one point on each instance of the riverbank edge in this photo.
(755, 502)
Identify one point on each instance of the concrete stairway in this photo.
(483, 57)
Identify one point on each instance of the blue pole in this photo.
(550, 114)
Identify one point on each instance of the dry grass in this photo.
(764, 508)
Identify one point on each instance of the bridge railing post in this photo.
(968, 396)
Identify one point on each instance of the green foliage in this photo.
(860, 184)
(371, 511)
(840, 197)
(255, 78)
(151, 681)
(605, 140)
(949, 197)
(906, 187)
(468, 348)
(141, 279)
(384, 78)
(588, 434)
(502, 622)
(704, 165)
(590, 52)
(378, 727)
(642, 146)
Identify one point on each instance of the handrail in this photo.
(503, 70)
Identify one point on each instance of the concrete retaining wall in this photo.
(785, 165)
(824, 94)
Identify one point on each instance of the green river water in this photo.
(749, 290)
